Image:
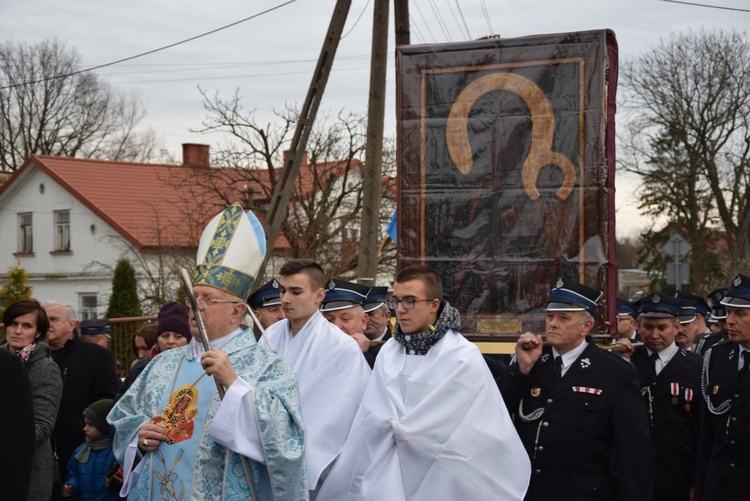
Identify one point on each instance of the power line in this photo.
(455, 18)
(707, 6)
(240, 63)
(256, 75)
(57, 77)
(426, 24)
(223, 66)
(486, 17)
(355, 22)
(413, 26)
(460, 12)
(440, 21)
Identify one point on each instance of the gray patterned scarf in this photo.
(419, 343)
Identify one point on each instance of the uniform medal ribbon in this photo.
(675, 390)
(688, 398)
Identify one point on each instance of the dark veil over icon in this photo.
(506, 167)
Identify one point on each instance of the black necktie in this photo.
(745, 363)
(654, 357)
(558, 368)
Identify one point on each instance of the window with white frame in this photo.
(88, 306)
(62, 230)
(25, 233)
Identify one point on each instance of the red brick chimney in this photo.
(304, 157)
(195, 155)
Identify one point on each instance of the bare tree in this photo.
(688, 138)
(47, 109)
(323, 219)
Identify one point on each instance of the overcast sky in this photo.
(270, 58)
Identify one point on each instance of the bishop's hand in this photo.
(216, 363)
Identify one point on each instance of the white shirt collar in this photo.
(665, 356)
(571, 356)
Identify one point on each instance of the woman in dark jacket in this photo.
(26, 325)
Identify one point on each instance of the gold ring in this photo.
(145, 442)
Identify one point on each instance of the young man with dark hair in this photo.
(331, 370)
(432, 424)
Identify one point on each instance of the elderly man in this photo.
(578, 408)
(670, 384)
(724, 464)
(378, 328)
(332, 372)
(266, 304)
(88, 374)
(626, 321)
(343, 306)
(175, 437)
(432, 424)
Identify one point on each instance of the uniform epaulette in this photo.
(722, 342)
(690, 354)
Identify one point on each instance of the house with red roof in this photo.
(73, 219)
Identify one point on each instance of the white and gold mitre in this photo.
(231, 251)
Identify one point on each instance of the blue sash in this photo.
(174, 462)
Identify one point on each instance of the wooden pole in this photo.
(401, 19)
(367, 267)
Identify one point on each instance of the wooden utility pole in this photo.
(401, 19)
(367, 266)
(283, 190)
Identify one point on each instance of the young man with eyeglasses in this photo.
(331, 370)
(432, 424)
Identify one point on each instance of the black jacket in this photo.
(17, 440)
(723, 458)
(88, 374)
(708, 340)
(674, 419)
(135, 371)
(593, 428)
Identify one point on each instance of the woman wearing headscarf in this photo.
(26, 326)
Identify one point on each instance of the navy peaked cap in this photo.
(688, 308)
(268, 295)
(718, 312)
(93, 326)
(738, 293)
(626, 308)
(377, 297)
(568, 295)
(701, 305)
(658, 306)
(341, 294)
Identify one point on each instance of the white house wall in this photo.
(58, 276)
